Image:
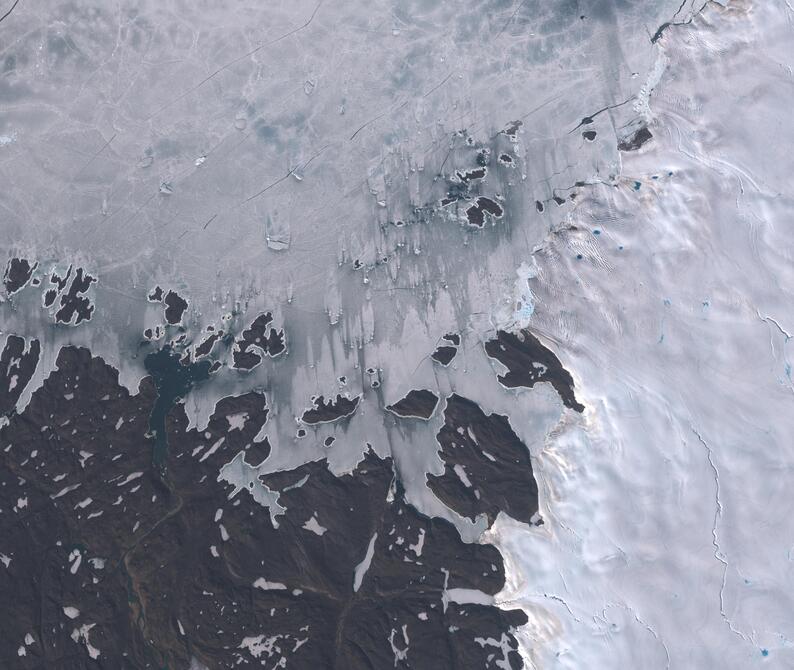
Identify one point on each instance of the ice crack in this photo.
(642, 623)
(549, 596)
(769, 319)
(669, 24)
(715, 541)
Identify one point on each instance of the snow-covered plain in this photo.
(669, 540)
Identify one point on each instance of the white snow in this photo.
(361, 568)
(260, 644)
(212, 449)
(314, 526)
(76, 558)
(129, 478)
(237, 421)
(265, 585)
(460, 471)
(82, 635)
(420, 543)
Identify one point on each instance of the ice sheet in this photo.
(668, 542)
